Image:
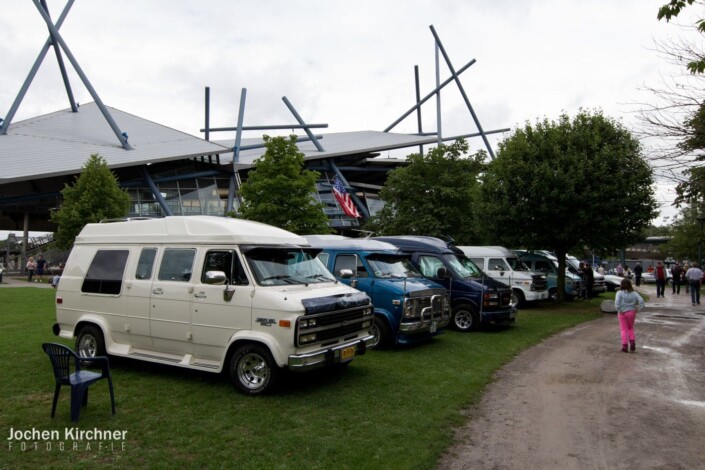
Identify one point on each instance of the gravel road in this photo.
(576, 401)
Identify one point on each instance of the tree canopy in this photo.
(568, 183)
(279, 192)
(435, 195)
(94, 196)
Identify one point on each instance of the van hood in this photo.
(487, 281)
(320, 299)
(410, 285)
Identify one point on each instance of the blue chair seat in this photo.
(67, 371)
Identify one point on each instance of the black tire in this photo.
(553, 294)
(90, 342)
(252, 370)
(381, 332)
(518, 299)
(465, 318)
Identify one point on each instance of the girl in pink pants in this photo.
(627, 302)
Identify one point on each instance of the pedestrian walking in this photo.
(695, 278)
(677, 274)
(686, 267)
(628, 302)
(660, 277)
(31, 266)
(638, 271)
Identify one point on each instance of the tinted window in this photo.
(104, 275)
(145, 263)
(497, 264)
(429, 265)
(226, 261)
(177, 265)
(351, 262)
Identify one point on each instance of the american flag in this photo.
(344, 199)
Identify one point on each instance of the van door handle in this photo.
(200, 295)
(157, 291)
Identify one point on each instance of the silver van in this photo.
(503, 265)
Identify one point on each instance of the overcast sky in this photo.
(347, 64)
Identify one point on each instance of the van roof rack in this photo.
(125, 219)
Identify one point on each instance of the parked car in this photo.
(211, 294)
(649, 278)
(504, 266)
(408, 307)
(598, 280)
(475, 297)
(612, 282)
(545, 263)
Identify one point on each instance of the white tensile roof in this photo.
(60, 143)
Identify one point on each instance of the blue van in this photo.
(475, 298)
(545, 263)
(408, 307)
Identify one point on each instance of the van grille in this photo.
(427, 305)
(336, 323)
(539, 283)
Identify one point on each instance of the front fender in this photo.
(280, 355)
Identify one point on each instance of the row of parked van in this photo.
(227, 295)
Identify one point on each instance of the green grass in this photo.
(389, 409)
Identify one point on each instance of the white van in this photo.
(503, 265)
(209, 293)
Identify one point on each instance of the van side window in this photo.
(541, 266)
(497, 264)
(104, 275)
(228, 262)
(429, 266)
(480, 262)
(145, 263)
(177, 265)
(351, 262)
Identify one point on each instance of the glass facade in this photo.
(190, 196)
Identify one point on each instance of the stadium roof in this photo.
(334, 144)
(59, 143)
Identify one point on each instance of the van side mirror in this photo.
(215, 278)
(346, 273)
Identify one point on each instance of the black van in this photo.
(475, 298)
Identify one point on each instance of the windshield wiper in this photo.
(319, 276)
(283, 277)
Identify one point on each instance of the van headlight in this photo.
(308, 323)
(409, 308)
(309, 338)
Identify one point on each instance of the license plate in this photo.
(434, 327)
(347, 353)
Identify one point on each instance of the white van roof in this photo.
(475, 251)
(338, 242)
(188, 229)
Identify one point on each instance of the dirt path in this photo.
(576, 401)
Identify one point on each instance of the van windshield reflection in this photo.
(286, 266)
(463, 266)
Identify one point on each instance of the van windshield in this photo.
(517, 264)
(463, 266)
(286, 266)
(388, 266)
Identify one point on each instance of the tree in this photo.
(433, 195)
(566, 184)
(279, 192)
(671, 10)
(94, 196)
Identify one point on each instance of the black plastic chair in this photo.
(77, 378)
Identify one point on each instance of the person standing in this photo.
(660, 277)
(638, 271)
(695, 277)
(589, 279)
(627, 302)
(677, 273)
(31, 266)
(619, 270)
(686, 267)
(41, 267)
